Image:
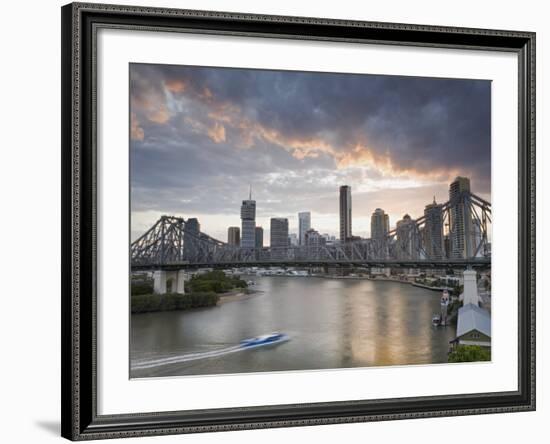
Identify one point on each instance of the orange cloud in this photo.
(223, 114)
(357, 155)
(217, 133)
(352, 155)
(175, 86)
(159, 115)
(136, 131)
(362, 155)
(195, 125)
(152, 106)
(206, 94)
(303, 148)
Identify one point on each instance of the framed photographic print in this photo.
(280, 221)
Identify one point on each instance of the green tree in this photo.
(214, 281)
(142, 287)
(146, 303)
(469, 353)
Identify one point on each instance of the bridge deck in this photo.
(450, 263)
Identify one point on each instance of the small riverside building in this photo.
(474, 323)
(473, 327)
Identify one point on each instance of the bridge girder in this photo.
(173, 240)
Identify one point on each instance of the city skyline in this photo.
(436, 229)
(201, 136)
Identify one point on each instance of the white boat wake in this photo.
(145, 364)
(139, 365)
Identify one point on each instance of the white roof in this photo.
(471, 317)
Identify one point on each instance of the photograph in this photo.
(297, 220)
(286, 218)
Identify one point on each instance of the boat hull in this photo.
(255, 343)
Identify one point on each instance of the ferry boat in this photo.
(441, 319)
(272, 338)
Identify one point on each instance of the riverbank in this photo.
(427, 287)
(202, 290)
(387, 279)
(332, 276)
(384, 279)
(236, 295)
(149, 303)
(358, 278)
(397, 281)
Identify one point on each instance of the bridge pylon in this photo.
(175, 278)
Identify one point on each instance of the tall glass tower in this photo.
(304, 224)
(461, 219)
(190, 238)
(433, 233)
(278, 237)
(345, 212)
(248, 222)
(379, 224)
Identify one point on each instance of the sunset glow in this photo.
(199, 137)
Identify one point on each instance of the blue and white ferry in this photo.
(259, 341)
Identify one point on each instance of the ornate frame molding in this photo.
(80, 22)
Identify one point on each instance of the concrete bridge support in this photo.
(159, 281)
(162, 277)
(181, 277)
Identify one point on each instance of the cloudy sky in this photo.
(199, 137)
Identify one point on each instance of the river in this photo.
(332, 323)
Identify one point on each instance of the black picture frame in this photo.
(79, 208)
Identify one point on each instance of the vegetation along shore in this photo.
(202, 290)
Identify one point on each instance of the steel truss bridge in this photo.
(172, 244)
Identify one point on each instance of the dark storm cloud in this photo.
(424, 123)
(200, 136)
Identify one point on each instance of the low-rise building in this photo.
(473, 326)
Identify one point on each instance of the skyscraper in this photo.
(278, 237)
(379, 224)
(460, 219)
(433, 231)
(478, 249)
(329, 237)
(304, 224)
(259, 237)
(191, 237)
(407, 238)
(248, 223)
(314, 239)
(345, 212)
(293, 240)
(234, 236)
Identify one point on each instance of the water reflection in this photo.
(333, 323)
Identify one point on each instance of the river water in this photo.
(332, 323)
